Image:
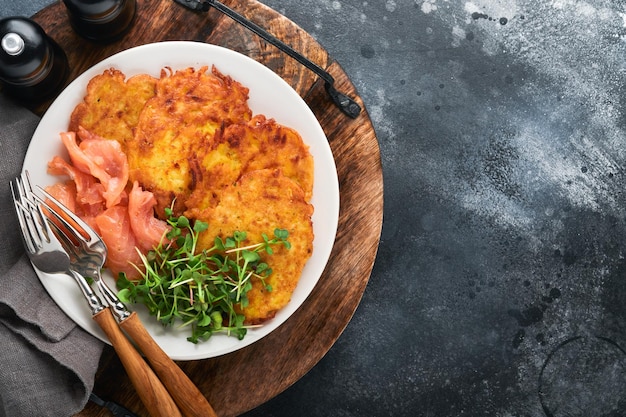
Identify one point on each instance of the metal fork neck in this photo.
(118, 309)
(95, 304)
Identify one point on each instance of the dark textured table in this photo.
(500, 280)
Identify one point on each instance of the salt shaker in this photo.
(101, 20)
(33, 67)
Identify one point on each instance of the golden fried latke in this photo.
(243, 147)
(189, 106)
(190, 138)
(112, 105)
(259, 202)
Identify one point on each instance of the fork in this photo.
(44, 251)
(88, 254)
(47, 253)
(86, 250)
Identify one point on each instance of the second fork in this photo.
(88, 253)
(49, 254)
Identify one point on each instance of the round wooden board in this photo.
(240, 381)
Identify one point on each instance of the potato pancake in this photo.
(112, 105)
(191, 140)
(189, 106)
(259, 202)
(243, 147)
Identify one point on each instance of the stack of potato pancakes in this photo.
(191, 139)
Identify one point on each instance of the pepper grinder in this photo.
(33, 67)
(101, 20)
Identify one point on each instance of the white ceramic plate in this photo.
(269, 95)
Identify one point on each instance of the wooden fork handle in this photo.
(151, 391)
(188, 397)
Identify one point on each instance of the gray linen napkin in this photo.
(47, 362)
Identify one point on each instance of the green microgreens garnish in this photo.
(201, 289)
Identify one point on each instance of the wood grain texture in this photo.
(149, 388)
(187, 396)
(240, 381)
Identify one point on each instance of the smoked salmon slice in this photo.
(114, 228)
(147, 228)
(97, 192)
(101, 158)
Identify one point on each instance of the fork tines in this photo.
(68, 222)
(28, 212)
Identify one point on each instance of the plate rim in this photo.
(331, 189)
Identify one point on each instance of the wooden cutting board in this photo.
(240, 381)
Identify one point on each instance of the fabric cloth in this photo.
(47, 362)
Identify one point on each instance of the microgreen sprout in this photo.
(205, 290)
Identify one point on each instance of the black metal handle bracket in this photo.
(346, 104)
